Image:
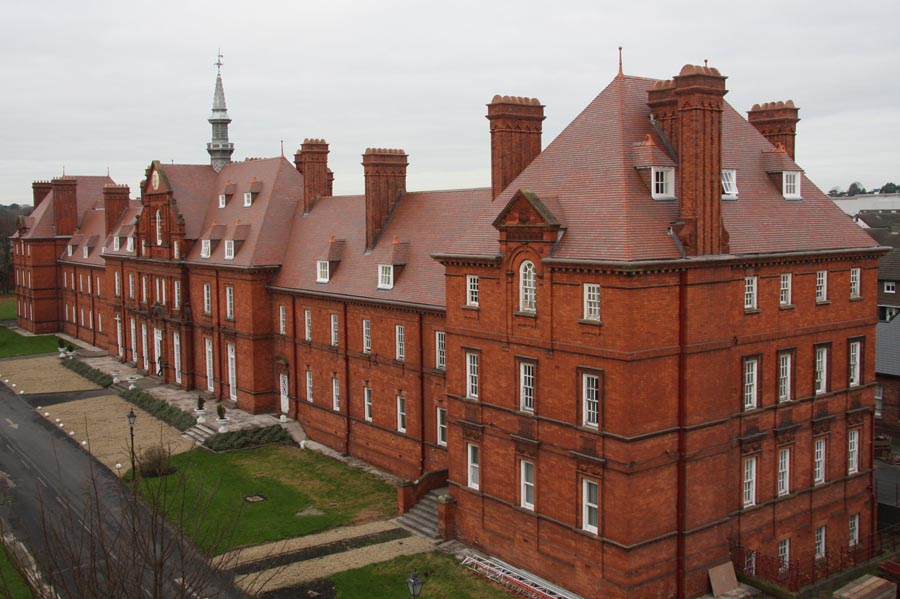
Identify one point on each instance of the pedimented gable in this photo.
(525, 209)
(156, 181)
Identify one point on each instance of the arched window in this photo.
(159, 237)
(527, 287)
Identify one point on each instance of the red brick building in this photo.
(641, 347)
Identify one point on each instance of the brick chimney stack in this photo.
(698, 93)
(664, 110)
(115, 201)
(777, 121)
(385, 172)
(312, 161)
(515, 137)
(41, 189)
(65, 206)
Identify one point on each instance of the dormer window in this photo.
(385, 276)
(69, 249)
(729, 184)
(662, 182)
(790, 185)
(204, 248)
(322, 274)
(222, 200)
(84, 251)
(116, 243)
(229, 249)
(129, 245)
(248, 199)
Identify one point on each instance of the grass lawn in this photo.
(7, 307)
(446, 579)
(305, 492)
(12, 344)
(11, 582)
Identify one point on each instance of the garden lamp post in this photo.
(414, 584)
(131, 418)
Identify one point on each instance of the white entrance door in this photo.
(232, 373)
(134, 355)
(210, 381)
(146, 353)
(157, 351)
(176, 350)
(119, 336)
(285, 399)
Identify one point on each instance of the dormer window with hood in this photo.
(69, 249)
(662, 183)
(255, 188)
(322, 275)
(229, 249)
(729, 184)
(116, 243)
(84, 251)
(385, 276)
(204, 248)
(790, 185)
(222, 199)
(248, 199)
(129, 245)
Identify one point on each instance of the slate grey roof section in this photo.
(878, 219)
(889, 264)
(887, 347)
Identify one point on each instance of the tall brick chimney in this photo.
(40, 189)
(697, 126)
(312, 161)
(385, 171)
(664, 110)
(777, 121)
(65, 206)
(515, 137)
(115, 201)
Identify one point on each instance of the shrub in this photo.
(155, 462)
(220, 410)
(200, 402)
(244, 439)
(91, 374)
(159, 409)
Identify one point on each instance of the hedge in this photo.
(91, 374)
(243, 439)
(159, 409)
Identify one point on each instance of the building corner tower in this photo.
(220, 149)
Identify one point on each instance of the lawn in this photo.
(11, 582)
(12, 344)
(7, 307)
(445, 579)
(305, 492)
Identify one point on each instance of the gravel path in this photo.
(41, 375)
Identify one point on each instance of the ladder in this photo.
(519, 582)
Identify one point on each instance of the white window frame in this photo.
(400, 343)
(229, 302)
(853, 451)
(526, 484)
(367, 404)
(323, 274)
(473, 466)
(785, 291)
(821, 369)
(440, 350)
(785, 374)
(821, 286)
(855, 283)
(401, 414)
(229, 249)
(366, 336)
(527, 373)
(853, 532)
(820, 542)
(335, 394)
(591, 295)
(441, 430)
(176, 250)
(751, 383)
(117, 244)
(205, 247)
(784, 556)
(222, 200)
(309, 386)
(70, 249)
(117, 283)
(854, 355)
(143, 289)
(307, 325)
(784, 471)
(84, 251)
(590, 506)
(282, 319)
(472, 291)
(819, 449)
(210, 365)
(232, 372)
(248, 199)
(662, 183)
(879, 400)
(176, 294)
(750, 287)
(129, 244)
(159, 227)
(790, 185)
(385, 276)
(890, 287)
(207, 299)
(590, 400)
(729, 184)
(472, 375)
(749, 482)
(527, 287)
(131, 285)
(335, 330)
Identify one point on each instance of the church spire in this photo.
(220, 149)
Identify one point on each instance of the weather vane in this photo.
(219, 62)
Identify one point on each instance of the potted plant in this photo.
(200, 404)
(70, 350)
(222, 420)
(62, 347)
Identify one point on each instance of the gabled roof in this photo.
(89, 234)
(589, 168)
(88, 193)
(889, 264)
(887, 347)
(422, 222)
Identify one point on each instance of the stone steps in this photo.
(423, 517)
(198, 433)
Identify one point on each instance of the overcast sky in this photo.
(89, 85)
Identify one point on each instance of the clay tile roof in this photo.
(92, 240)
(399, 252)
(241, 232)
(646, 154)
(216, 232)
(76, 240)
(778, 160)
(335, 250)
(255, 186)
(229, 189)
(126, 231)
(93, 224)
(88, 193)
